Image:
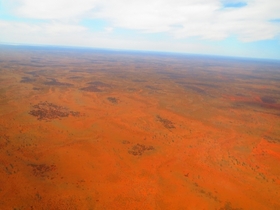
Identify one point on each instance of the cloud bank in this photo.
(249, 20)
(224, 27)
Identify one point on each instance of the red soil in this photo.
(131, 147)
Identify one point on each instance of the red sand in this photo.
(158, 142)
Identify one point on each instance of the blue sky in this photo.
(249, 28)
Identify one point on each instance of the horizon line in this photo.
(139, 51)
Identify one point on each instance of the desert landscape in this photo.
(100, 129)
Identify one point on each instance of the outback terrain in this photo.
(93, 129)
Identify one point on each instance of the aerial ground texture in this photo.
(82, 129)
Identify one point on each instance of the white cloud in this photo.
(59, 28)
(206, 19)
(54, 9)
(109, 29)
(13, 32)
(74, 35)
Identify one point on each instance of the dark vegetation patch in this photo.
(56, 83)
(91, 88)
(195, 89)
(27, 80)
(49, 111)
(42, 170)
(172, 75)
(152, 87)
(262, 91)
(4, 141)
(99, 84)
(234, 75)
(267, 75)
(32, 65)
(35, 88)
(271, 139)
(13, 61)
(33, 73)
(139, 80)
(76, 70)
(207, 85)
(268, 100)
(35, 60)
(125, 142)
(200, 84)
(240, 94)
(75, 77)
(228, 206)
(248, 77)
(207, 194)
(113, 100)
(96, 86)
(131, 89)
(83, 70)
(139, 149)
(165, 122)
(257, 104)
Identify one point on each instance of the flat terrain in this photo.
(85, 129)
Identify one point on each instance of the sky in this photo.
(246, 28)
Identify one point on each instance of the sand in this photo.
(107, 130)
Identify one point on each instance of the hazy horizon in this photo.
(136, 51)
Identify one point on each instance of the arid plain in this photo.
(93, 129)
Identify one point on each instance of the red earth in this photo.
(101, 130)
